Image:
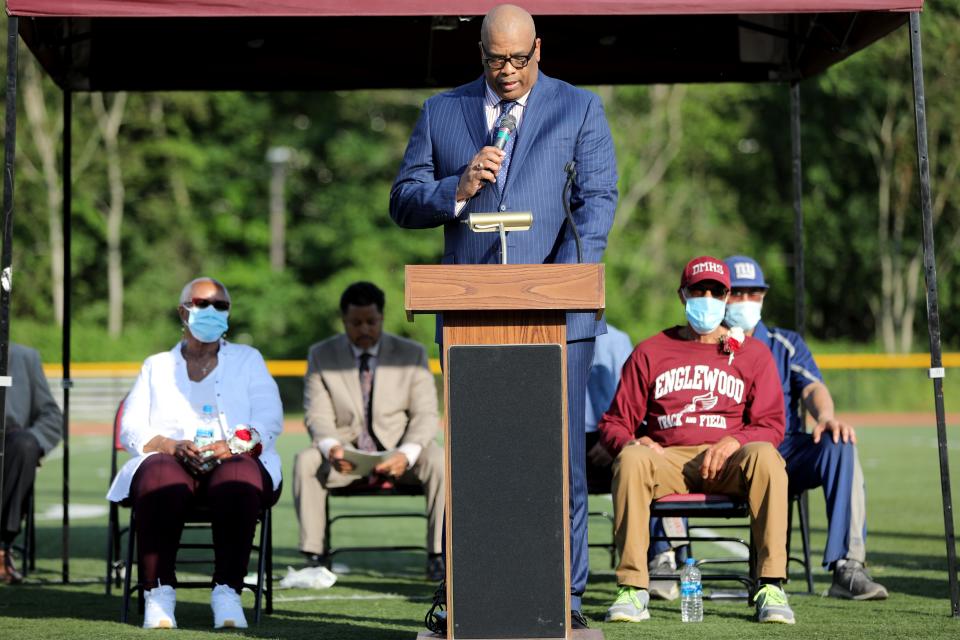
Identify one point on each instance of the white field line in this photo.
(735, 549)
(357, 596)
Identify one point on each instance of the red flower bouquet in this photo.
(731, 342)
(245, 439)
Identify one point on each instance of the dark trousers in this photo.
(832, 466)
(163, 492)
(579, 357)
(21, 455)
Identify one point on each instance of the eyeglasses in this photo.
(203, 303)
(495, 63)
(700, 289)
(754, 294)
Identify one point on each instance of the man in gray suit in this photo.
(372, 391)
(33, 427)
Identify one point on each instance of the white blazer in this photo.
(159, 404)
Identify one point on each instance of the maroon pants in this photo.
(163, 492)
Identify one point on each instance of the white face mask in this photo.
(704, 314)
(745, 315)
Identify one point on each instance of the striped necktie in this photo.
(505, 108)
(365, 441)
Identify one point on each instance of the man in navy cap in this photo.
(825, 457)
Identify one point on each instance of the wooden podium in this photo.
(505, 394)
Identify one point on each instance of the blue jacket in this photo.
(560, 123)
(796, 367)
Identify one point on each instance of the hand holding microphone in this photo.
(485, 165)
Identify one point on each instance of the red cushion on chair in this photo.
(694, 497)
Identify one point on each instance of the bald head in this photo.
(510, 51)
(507, 19)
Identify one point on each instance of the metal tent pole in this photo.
(799, 282)
(6, 256)
(65, 350)
(933, 306)
(799, 275)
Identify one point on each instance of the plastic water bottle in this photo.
(204, 434)
(691, 593)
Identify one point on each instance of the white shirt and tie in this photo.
(410, 450)
(491, 111)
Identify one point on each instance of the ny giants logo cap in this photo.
(745, 273)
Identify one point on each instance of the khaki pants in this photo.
(312, 476)
(641, 475)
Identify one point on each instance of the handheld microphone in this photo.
(508, 124)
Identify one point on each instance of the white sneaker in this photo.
(159, 604)
(663, 564)
(227, 610)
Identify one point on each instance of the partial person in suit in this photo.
(451, 169)
(34, 425)
(373, 391)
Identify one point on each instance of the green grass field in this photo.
(385, 597)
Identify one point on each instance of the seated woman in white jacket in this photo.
(203, 383)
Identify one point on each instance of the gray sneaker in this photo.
(852, 582)
(663, 564)
(630, 606)
(772, 605)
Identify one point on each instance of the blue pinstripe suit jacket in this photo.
(560, 123)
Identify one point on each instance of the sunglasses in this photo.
(203, 303)
(700, 289)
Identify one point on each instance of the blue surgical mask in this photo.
(705, 314)
(745, 315)
(207, 325)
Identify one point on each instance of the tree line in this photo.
(167, 186)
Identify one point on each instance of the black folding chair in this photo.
(115, 564)
(708, 505)
(384, 488)
(803, 516)
(120, 569)
(28, 546)
(200, 519)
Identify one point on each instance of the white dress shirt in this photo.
(159, 405)
(491, 109)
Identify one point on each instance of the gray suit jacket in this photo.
(30, 405)
(404, 394)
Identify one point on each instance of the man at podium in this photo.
(453, 167)
(699, 409)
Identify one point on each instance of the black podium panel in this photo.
(506, 454)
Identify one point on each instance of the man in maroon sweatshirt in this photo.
(699, 409)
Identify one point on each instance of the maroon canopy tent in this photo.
(112, 45)
(102, 45)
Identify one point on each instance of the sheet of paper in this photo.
(365, 461)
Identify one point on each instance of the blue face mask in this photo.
(745, 315)
(207, 325)
(705, 314)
